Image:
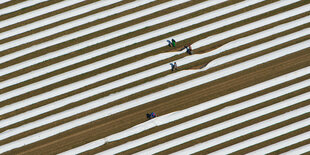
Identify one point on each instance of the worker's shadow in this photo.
(182, 49)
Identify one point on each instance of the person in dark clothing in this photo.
(188, 49)
(174, 66)
(150, 116)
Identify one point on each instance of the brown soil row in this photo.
(96, 72)
(143, 114)
(274, 140)
(91, 35)
(234, 128)
(72, 30)
(257, 133)
(28, 9)
(291, 147)
(210, 123)
(126, 86)
(171, 103)
(137, 95)
(183, 99)
(29, 21)
(68, 81)
(306, 153)
(222, 106)
(10, 3)
(40, 65)
(99, 21)
(230, 116)
(117, 40)
(262, 73)
(36, 79)
(120, 89)
(239, 48)
(65, 82)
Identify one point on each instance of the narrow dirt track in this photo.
(121, 123)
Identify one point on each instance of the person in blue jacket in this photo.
(150, 116)
(174, 66)
(171, 43)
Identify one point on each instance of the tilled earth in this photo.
(194, 96)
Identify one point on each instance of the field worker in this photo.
(172, 67)
(175, 66)
(153, 115)
(173, 42)
(189, 49)
(148, 116)
(169, 43)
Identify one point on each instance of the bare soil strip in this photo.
(80, 27)
(37, 30)
(131, 85)
(19, 84)
(234, 128)
(136, 95)
(28, 9)
(291, 147)
(102, 44)
(172, 103)
(10, 3)
(210, 123)
(257, 133)
(119, 89)
(29, 21)
(200, 50)
(72, 79)
(88, 36)
(274, 140)
(185, 99)
(306, 153)
(231, 51)
(67, 81)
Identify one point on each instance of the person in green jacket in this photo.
(173, 42)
